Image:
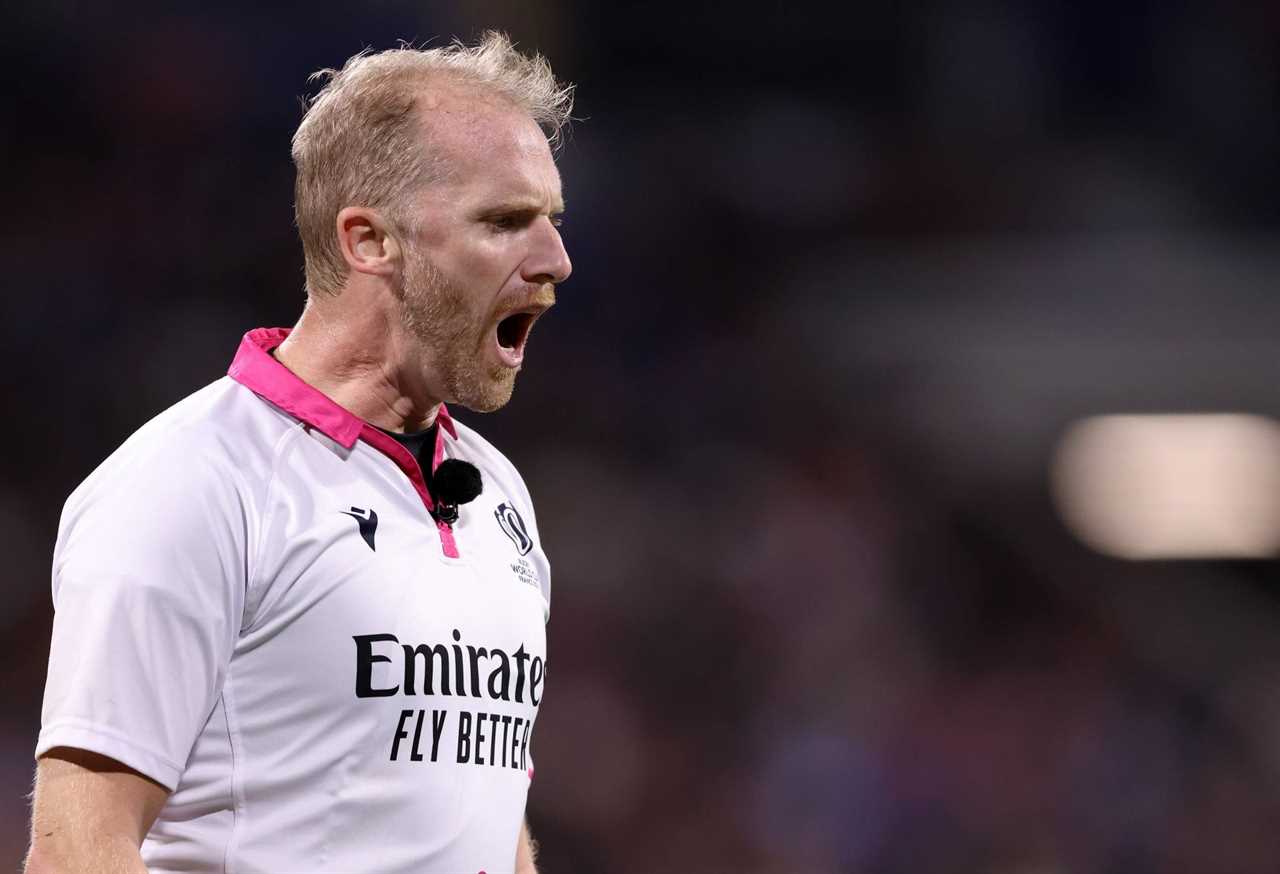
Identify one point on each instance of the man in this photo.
(282, 641)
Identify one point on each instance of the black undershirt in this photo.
(421, 445)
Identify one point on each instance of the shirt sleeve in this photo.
(149, 578)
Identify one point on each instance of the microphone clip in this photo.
(453, 482)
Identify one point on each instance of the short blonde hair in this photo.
(360, 143)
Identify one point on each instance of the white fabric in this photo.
(209, 592)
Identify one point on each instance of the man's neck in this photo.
(355, 360)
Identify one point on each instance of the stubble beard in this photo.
(452, 340)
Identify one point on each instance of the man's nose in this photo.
(548, 261)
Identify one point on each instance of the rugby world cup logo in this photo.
(513, 526)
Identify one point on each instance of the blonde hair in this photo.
(360, 142)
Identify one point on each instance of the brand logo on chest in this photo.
(368, 522)
(513, 526)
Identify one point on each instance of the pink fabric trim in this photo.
(255, 369)
(437, 454)
(447, 542)
(446, 422)
(404, 460)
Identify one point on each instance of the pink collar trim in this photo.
(255, 369)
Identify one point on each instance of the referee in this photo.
(300, 616)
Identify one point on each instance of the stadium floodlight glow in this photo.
(1171, 486)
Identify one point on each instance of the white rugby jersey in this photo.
(255, 608)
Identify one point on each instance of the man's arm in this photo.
(526, 852)
(90, 813)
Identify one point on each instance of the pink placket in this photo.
(404, 459)
(256, 369)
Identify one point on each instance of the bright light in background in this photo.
(1172, 486)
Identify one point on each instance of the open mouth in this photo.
(512, 333)
(514, 330)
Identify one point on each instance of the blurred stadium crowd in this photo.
(842, 276)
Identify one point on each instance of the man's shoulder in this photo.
(493, 463)
(471, 446)
(213, 439)
(223, 420)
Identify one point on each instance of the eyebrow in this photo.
(557, 207)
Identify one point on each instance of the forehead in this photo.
(492, 149)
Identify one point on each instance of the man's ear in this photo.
(367, 241)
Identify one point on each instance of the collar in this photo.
(255, 369)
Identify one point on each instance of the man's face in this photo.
(485, 258)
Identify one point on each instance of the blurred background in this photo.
(847, 575)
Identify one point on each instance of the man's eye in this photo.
(517, 221)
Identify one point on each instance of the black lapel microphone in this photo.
(454, 482)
